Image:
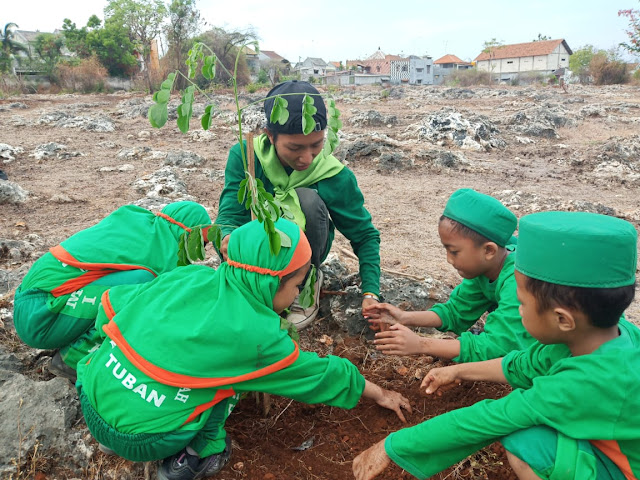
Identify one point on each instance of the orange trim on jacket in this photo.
(217, 398)
(106, 305)
(177, 379)
(611, 448)
(96, 271)
(173, 220)
(301, 255)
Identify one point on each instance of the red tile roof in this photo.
(272, 55)
(450, 59)
(530, 49)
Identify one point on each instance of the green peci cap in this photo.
(577, 249)
(483, 214)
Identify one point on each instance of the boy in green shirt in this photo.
(574, 412)
(319, 190)
(476, 231)
(179, 351)
(57, 302)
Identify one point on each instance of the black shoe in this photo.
(61, 369)
(184, 466)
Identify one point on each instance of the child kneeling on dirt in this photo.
(476, 231)
(179, 352)
(574, 412)
(57, 302)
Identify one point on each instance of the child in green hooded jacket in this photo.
(574, 412)
(179, 351)
(57, 302)
(476, 231)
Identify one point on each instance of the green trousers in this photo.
(554, 456)
(66, 322)
(143, 447)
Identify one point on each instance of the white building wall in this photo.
(540, 63)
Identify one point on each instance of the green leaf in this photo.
(274, 242)
(158, 115)
(195, 245)
(185, 110)
(279, 112)
(307, 294)
(286, 212)
(290, 328)
(209, 67)
(207, 118)
(285, 240)
(182, 255)
(242, 191)
(214, 235)
(168, 83)
(162, 96)
(308, 110)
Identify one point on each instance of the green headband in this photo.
(577, 249)
(483, 214)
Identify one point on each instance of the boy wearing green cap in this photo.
(57, 302)
(574, 412)
(318, 189)
(476, 231)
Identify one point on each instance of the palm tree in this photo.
(9, 48)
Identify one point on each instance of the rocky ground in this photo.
(72, 159)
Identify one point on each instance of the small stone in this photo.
(269, 476)
(418, 375)
(144, 135)
(402, 370)
(238, 466)
(345, 438)
(429, 359)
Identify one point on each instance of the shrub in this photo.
(635, 78)
(87, 75)
(607, 72)
(529, 78)
(468, 78)
(254, 87)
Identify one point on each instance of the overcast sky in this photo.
(337, 30)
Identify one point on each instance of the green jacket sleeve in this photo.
(345, 203)
(231, 214)
(521, 367)
(310, 379)
(503, 329)
(465, 306)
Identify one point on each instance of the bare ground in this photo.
(69, 194)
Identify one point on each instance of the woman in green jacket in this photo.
(179, 351)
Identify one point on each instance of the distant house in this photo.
(314, 67)
(33, 65)
(413, 70)
(444, 66)
(507, 61)
(378, 63)
(271, 56)
(275, 65)
(253, 60)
